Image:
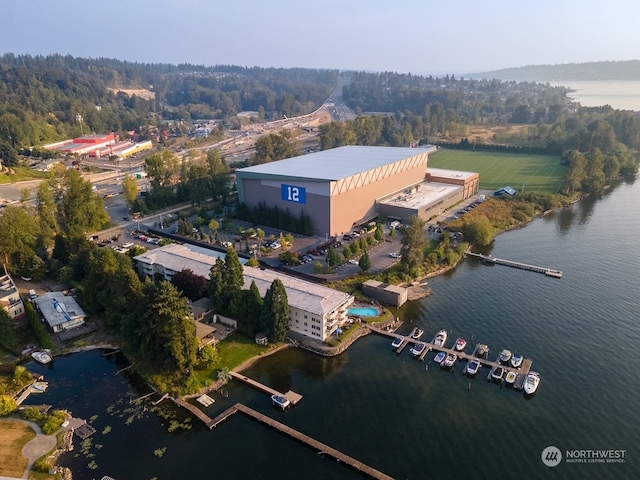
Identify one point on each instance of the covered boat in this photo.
(42, 356)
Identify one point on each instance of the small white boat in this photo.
(416, 333)
(497, 374)
(510, 378)
(280, 401)
(531, 382)
(439, 358)
(505, 356)
(42, 356)
(449, 360)
(461, 343)
(440, 339)
(397, 342)
(472, 367)
(418, 348)
(516, 360)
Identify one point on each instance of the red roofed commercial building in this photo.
(83, 145)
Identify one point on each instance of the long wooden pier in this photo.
(292, 396)
(301, 437)
(523, 370)
(549, 272)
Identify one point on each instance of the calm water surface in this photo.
(387, 410)
(620, 94)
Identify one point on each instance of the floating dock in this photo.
(320, 447)
(549, 272)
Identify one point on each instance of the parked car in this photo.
(395, 255)
(353, 261)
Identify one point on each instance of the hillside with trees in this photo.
(41, 97)
(621, 70)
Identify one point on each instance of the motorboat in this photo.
(472, 367)
(440, 339)
(516, 360)
(505, 356)
(439, 358)
(416, 333)
(510, 378)
(531, 382)
(483, 350)
(42, 356)
(461, 343)
(280, 401)
(397, 342)
(449, 360)
(418, 348)
(497, 374)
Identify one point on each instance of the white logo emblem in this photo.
(551, 456)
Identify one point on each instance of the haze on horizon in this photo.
(416, 36)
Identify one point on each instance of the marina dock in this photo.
(320, 447)
(549, 272)
(522, 371)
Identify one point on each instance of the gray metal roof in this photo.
(337, 163)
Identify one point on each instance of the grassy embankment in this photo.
(21, 174)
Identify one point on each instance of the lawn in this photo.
(13, 437)
(21, 174)
(538, 173)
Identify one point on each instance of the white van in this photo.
(32, 294)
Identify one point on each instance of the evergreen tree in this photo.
(365, 262)
(168, 333)
(274, 316)
(216, 285)
(414, 242)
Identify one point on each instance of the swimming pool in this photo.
(364, 312)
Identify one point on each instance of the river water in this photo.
(392, 413)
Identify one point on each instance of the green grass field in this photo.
(538, 173)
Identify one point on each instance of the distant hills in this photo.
(590, 71)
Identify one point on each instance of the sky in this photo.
(405, 36)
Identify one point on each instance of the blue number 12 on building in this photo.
(294, 194)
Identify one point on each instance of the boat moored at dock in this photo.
(497, 374)
(516, 360)
(505, 356)
(440, 339)
(416, 333)
(280, 401)
(449, 360)
(510, 378)
(460, 345)
(472, 368)
(439, 358)
(418, 348)
(531, 382)
(42, 356)
(397, 342)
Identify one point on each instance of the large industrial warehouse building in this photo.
(345, 186)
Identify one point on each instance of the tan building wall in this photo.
(470, 184)
(359, 205)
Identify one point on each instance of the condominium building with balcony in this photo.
(314, 310)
